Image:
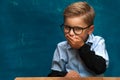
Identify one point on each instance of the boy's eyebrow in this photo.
(79, 26)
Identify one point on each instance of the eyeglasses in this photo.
(76, 29)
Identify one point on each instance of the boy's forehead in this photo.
(75, 21)
(74, 18)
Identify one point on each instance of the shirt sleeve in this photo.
(59, 61)
(57, 74)
(100, 49)
(96, 59)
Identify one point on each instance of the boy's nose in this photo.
(71, 32)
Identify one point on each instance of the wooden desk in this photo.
(63, 78)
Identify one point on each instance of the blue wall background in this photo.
(29, 32)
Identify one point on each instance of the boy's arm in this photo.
(71, 73)
(57, 74)
(95, 63)
(58, 64)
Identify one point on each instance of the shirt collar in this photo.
(90, 39)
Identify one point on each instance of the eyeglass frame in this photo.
(62, 27)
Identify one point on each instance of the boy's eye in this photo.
(66, 27)
(77, 28)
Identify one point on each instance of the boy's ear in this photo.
(91, 29)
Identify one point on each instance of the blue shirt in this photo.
(66, 58)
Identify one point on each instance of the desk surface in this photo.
(64, 78)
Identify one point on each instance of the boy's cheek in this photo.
(66, 35)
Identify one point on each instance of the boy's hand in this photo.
(72, 73)
(75, 42)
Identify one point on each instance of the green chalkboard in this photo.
(29, 32)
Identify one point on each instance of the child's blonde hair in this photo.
(82, 9)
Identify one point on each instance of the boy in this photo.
(82, 53)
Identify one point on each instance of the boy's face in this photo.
(76, 36)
